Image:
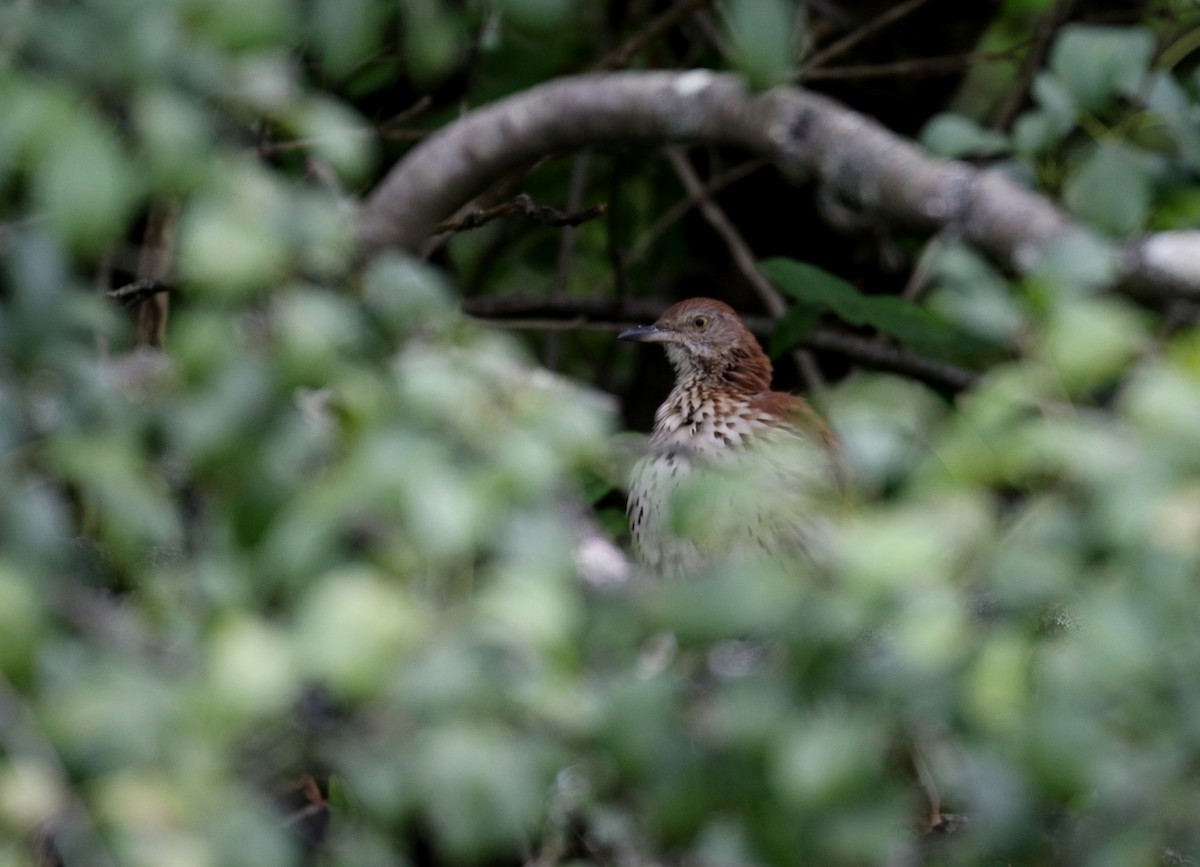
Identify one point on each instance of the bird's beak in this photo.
(646, 334)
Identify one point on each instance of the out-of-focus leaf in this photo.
(1077, 264)
(176, 136)
(969, 293)
(1111, 189)
(1170, 101)
(353, 629)
(1091, 342)
(86, 186)
(818, 291)
(336, 134)
(793, 327)
(884, 424)
(482, 787)
(1040, 129)
(252, 668)
(539, 15)
(1097, 63)
(954, 135)
(243, 28)
(432, 39)
(346, 32)
(232, 241)
(762, 33)
(20, 619)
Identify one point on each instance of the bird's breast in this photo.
(706, 425)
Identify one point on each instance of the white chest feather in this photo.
(721, 475)
(706, 424)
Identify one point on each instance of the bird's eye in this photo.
(700, 322)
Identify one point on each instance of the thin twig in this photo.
(616, 256)
(1015, 95)
(676, 211)
(131, 293)
(942, 65)
(602, 314)
(742, 256)
(919, 277)
(525, 206)
(712, 35)
(620, 56)
(407, 114)
(873, 26)
(580, 170)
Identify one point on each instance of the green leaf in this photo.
(1170, 102)
(973, 297)
(345, 32)
(1111, 189)
(1040, 129)
(432, 39)
(792, 327)
(817, 291)
(1097, 63)
(954, 135)
(245, 26)
(1055, 99)
(815, 286)
(762, 35)
(540, 16)
(86, 185)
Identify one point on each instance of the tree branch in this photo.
(805, 134)
(525, 206)
(570, 313)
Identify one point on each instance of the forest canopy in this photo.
(315, 433)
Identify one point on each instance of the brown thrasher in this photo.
(734, 468)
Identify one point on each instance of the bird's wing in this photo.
(797, 413)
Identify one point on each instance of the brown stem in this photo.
(525, 206)
(873, 26)
(620, 57)
(602, 314)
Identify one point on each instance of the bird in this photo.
(732, 468)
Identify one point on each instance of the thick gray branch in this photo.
(854, 158)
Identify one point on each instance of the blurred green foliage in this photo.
(334, 530)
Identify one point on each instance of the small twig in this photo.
(873, 26)
(305, 812)
(676, 211)
(619, 57)
(712, 35)
(138, 290)
(742, 256)
(616, 256)
(154, 265)
(406, 114)
(580, 170)
(1015, 95)
(942, 65)
(919, 277)
(525, 206)
(602, 314)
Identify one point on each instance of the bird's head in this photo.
(704, 337)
